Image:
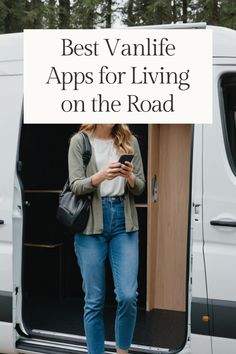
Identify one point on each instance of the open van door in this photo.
(219, 207)
(11, 87)
(51, 307)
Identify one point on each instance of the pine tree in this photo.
(51, 14)
(135, 12)
(160, 12)
(206, 11)
(228, 13)
(108, 10)
(185, 11)
(128, 10)
(34, 14)
(215, 12)
(148, 12)
(3, 14)
(14, 15)
(85, 13)
(174, 11)
(64, 14)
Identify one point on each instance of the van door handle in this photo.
(223, 223)
(1, 222)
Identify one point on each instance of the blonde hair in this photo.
(121, 134)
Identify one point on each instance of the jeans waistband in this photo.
(114, 199)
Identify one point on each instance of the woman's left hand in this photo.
(127, 172)
(126, 169)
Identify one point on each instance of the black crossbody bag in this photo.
(73, 210)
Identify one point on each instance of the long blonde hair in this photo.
(121, 134)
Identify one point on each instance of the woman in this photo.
(112, 229)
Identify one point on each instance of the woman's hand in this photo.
(127, 172)
(126, 169)
(111, 171)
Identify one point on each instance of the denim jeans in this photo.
(122, 249)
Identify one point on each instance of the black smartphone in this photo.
(126, 157)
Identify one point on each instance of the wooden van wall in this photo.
(169, 158)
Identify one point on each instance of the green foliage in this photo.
(108, 11)
(3, 14)
(85, 13)
(94, 13)
(137, 12)
(205, 11)
(153, 12)
(34, 14)
(15, 15)
(64, 14)
(51, 14)
(160, 11)
(228, 13)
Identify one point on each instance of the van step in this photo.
(80, 341)
(47, 347)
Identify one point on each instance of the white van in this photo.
(191, 195)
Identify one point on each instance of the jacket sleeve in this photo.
(79, 183)
(137, 163)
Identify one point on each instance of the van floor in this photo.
(156, 328)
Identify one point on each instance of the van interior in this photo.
(52, 302)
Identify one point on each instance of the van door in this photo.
(219, 211)
(10, 111)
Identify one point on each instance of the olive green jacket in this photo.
(81, 184)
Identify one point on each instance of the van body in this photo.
(187, 296)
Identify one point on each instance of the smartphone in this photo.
(126, 157)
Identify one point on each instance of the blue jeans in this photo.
(122, 249)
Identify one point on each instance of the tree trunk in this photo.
(64, 13)
(174, 11)
(185, 11)
(3, 14)
(52, 21)
(130, 13)
(36, 8)
(108, 12)
(215, 12)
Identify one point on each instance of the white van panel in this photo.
(199, 279)
(224, 61)
(11, 88)
(11, 68)
(6, 338)
(11, 47)
(219, 185)
(223, 39)
(6, 272)
(10, 113)
(223, 346)
(201, 344)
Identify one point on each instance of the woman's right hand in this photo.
(109, 172)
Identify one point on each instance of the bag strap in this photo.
(87, 153)
(87, 150)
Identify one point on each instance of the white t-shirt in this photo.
(105, 152)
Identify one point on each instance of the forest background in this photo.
(17, 15)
